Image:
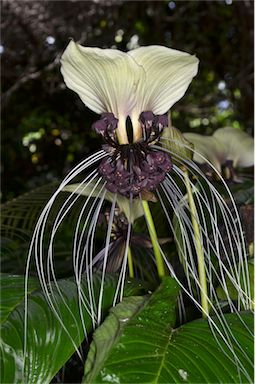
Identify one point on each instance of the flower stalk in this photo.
(198, 246)
(130, 264)
(154, 241)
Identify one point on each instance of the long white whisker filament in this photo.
(88, 303)
(87, 254)
(209, 267)
(232, 226)
(107, 242)
(233, 274)
(36, 247)
(121, 280)
(57, 222)
(236, 221)
(224, 334)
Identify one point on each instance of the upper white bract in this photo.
(225, 144)
(149, 78)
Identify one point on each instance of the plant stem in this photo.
(130, 264)
(199, 247)
(154, 241)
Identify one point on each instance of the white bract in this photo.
(225, 144)
(149, 78)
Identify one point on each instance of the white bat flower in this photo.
(135, 90)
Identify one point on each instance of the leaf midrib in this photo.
(163, 357)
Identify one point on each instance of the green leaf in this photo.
(144, 331)
(150, 350)
(12, 293)
(107, 335)
(49, 345)
(19, 215)
(122, 202)
(18, 220)
(179, 147)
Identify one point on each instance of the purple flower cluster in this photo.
(132, 168)
(129, 176)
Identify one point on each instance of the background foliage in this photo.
(46, 128)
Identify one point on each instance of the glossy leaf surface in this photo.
(151, 350)
(49, 345)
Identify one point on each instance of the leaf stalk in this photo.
(154, 239)
(199, 247)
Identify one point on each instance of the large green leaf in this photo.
(18, 220)
(151, 350)
(12, 293)
(48, 344)
(19, 215)
(133, 348)
(109, 333)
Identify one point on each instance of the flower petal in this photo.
(168, 75)
(209, 147)
(239, 146)
(105, 79)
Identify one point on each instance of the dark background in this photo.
(46, 128)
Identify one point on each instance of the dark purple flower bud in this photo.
(166, 166)
(158, 157)
(122, 183)
(135, 189)
(147, 120)
(100, 127)
(148, 167)
(119, 165)
(144, 183)
(137, 170)
(134, 168)
(111, 187)
(110, 121)
(106, 167)
(142, 176)
(159, 177)
(161, 121)
(150, 158)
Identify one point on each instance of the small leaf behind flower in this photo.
(173, 140)
(123, 203)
